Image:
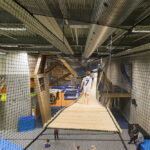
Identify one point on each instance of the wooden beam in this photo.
(40, 75)
(115, 95)
(76, 33)
(61, 78)
(67, 66)
(31, 74)
(43, 98)
(38, 65)
(51, 67)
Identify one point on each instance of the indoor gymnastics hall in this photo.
(74, 74)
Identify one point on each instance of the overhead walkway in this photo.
(108, 92)
(80, 116)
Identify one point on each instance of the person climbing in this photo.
(86, 85)
(56, 134)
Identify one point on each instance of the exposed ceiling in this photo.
(81, 28)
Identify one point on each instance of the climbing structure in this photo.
(91, 116)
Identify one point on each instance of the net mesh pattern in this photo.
(14, 68)
(94, 12)
(15, 72)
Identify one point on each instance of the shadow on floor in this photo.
(123, 123)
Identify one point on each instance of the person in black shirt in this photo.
(133, 134)
(56, 134)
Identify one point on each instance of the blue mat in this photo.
(26, 123)
(7, 145)
(145, 145)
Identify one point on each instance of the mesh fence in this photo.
(15, 101)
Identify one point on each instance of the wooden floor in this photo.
(86, 117)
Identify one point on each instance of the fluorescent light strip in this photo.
(9, 45)
(13, 29)
(140, 31)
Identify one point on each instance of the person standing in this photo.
(133, 135)
(56, 134)
(86, 85)
(92, 76)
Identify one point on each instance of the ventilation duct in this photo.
(107, 13)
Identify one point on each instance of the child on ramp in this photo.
(86, 85)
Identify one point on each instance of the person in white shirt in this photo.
(86, 85)
(139, 140)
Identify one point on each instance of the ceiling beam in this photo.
(59, 79)
(140, 19)
(51, 67)
(140, 48)
(33, 24)
(72, 34)
(143, 16)
(51, 24)
(76, 33)
(63, 8)
(142, 37)
(7, 35)
(99, 34)
(64, 12)
(67, 66)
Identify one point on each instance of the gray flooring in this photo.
(20, 138)
(102, 140)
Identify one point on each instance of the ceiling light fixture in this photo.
(140, 31)
(9, 45)
(12, 29)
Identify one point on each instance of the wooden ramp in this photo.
(86, 117)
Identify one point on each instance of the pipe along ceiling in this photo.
(119, 11)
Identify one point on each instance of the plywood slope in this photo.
(81, 116)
